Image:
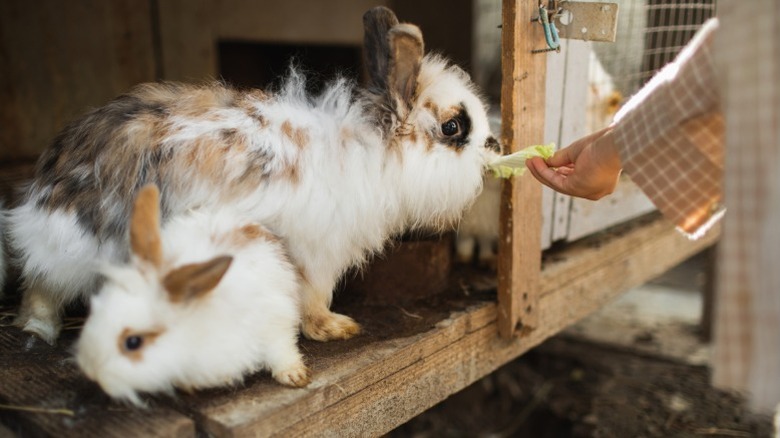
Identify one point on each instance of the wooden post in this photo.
(522, 124)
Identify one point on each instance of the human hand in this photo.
(589, 168)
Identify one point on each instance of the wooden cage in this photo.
(414, 354)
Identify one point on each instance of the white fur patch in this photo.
(249, 322)
(58, 252)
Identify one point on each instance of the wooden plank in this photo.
(553, 112)
(57, 59)
(522, 124)
(566, 102)
(364, 386)
(625, 203)
(708, 295)
(337, 22)
(397, 398)
(190, 30)
(573, 108)
(34, 375)
(566, 266)
(335, 378)
(372, 389)
(188, 40)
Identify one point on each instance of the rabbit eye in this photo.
(133, 343)
(450, 127)
(455, 131)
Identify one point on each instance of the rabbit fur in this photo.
(202, 302)
(333, 175)
(479, 229)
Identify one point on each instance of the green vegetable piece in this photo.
(514, 164)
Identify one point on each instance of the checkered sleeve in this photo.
(670, 135)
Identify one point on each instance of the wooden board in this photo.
(626, 203)
(408, 360)
(36, 376)
(57, 59)
(522, 124)
(191, 29)
(566, 105)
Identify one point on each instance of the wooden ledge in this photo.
(408, 360)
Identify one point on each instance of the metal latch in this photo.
(576, 20)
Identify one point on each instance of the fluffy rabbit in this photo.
(479, 228)
(202, 302)
(478, 231)
(334, 175)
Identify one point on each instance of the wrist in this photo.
(607, 151)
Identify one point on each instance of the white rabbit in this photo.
(334, 175)
(202, 302)
(480, 227)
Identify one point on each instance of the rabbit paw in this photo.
(39, 314)
(46, 330)
(329, 326)
(296, 376)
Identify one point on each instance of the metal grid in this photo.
(650, 34)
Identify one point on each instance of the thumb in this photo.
(563, 157)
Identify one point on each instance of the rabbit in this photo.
(202, 302)
(479, 229)
(335, 175)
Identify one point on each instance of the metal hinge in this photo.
(587, 21)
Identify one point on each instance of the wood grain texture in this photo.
(522, 124)
(191, 29)
(58, 59)
(382, 386)
(34, 375)
(362, 387)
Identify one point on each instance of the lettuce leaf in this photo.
(514, 164)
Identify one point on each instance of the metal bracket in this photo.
(587, 21)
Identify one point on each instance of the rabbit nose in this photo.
(493, 144)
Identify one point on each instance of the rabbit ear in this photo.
(195, 280)
(377, 22)
(406, 44)
(145, 226)
(393, 53)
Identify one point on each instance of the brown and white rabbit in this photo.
(202, 302)
(333, 175)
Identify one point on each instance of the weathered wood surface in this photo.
(571, 117)
(191, 29)
(34, 375)
(58, 59)
(409, 359)
(522, 124)
(587, 217)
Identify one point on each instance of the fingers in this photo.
(564, 157)
(548, 176)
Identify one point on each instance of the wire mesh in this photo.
(650, 34)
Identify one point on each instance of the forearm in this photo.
(685, 89)
(670, 137)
